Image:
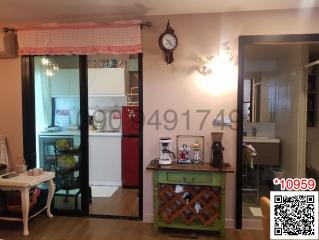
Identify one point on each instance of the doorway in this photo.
(56, 110)
(272, 132)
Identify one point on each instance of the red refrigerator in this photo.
(130, 146)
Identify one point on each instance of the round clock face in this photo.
(169, 41)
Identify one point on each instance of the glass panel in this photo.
(114, 134)
(271, 120)
(312, 164)
(57, 108)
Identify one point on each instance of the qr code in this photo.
(294, 215)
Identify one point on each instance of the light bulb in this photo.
(45, 61)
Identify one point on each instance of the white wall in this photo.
(65, 82)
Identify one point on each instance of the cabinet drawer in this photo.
(191, 178)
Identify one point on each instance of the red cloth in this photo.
(121, 37)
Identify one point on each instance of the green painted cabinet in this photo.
(189, 196)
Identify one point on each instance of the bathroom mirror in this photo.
(259, 91)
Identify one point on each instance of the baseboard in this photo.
(148, 218)
(106, 183)
(252, 224)
(229, 223)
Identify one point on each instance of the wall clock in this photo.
(168, 42)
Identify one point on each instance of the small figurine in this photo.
(188, 197)
(179, 189)
(196, 149)
(197, 207)
(183, 154)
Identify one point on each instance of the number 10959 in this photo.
(295, 183)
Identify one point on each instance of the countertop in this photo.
(60, 133)
(105, 134)
(261, 140)
(77, 133)
(206, 167)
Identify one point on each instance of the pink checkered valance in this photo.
(121, 37)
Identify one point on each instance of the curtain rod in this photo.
(146, 24)
(7, 29)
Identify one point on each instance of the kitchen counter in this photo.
(105, 134)
(261, 140)
(61, 133)
(77, 133)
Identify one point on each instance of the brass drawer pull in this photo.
(191, 181)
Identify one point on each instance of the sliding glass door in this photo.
(57, 128)
(57, 101)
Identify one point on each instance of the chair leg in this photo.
(66, 196)
(76, 200)
(90, 195)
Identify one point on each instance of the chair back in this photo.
(265, 209)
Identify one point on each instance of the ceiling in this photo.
(17, 11)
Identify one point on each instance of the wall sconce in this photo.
(209, 64)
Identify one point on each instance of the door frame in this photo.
(29, 136)
(258, 39)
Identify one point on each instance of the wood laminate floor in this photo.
(124, 202)
(77, 228)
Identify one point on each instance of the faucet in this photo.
(254, 130)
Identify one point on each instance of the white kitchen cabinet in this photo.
(106, 81)
(105, 160)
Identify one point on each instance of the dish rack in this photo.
(132, 97)
(175, 207)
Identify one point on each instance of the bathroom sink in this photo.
(261, 139)
(251, 137)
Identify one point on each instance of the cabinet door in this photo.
(267, 153)
(130, 161)
(105, 160)
(130, 120)
(109, 81)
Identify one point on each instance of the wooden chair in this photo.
(265, 208)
